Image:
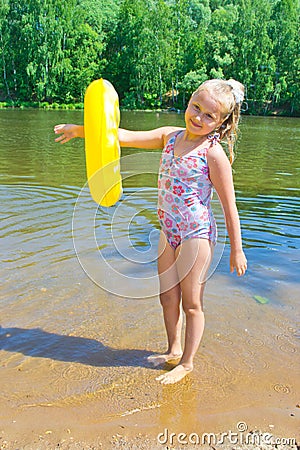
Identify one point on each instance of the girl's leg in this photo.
(170, 297)
(193, 260)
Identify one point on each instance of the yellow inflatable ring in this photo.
(102, 148)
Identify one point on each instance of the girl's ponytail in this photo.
(229, 128)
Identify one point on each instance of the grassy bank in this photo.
(40, 105)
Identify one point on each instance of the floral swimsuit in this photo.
(184, 194)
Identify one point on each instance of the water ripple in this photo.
(282, 388)
(36, 224)
(270, 221)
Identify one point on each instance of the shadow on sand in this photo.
(41, 344)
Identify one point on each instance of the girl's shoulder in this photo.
(170, 132)
(216, 155)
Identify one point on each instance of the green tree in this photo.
(141, 53)
(4, 43)
(284, 32)
(34, 31)
(82, 59)
(189, 21)
(219, 44)
(122, 46)
(155, 51)
(191, 82)
(54, 50)
(254, 64)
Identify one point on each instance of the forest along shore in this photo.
(155, 53)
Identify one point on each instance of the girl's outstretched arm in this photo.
(68, 131)
(152, 139)
(221, 176)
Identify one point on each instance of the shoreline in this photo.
(45, 106)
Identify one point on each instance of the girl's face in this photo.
(203, 114)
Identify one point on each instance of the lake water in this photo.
(79, 301)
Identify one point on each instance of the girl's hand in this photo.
(68, 132)
(238, 262)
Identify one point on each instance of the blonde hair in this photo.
(230, 95)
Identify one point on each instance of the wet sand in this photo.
(58, 428)
(74, 370)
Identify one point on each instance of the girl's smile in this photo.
(197, 125)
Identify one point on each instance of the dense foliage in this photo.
(155, 52)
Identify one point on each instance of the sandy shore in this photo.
(79, 380)
(141, 441)
(57, 428)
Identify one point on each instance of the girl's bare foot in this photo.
(175, 375)
(157, 360)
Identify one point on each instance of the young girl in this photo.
(193, 162)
